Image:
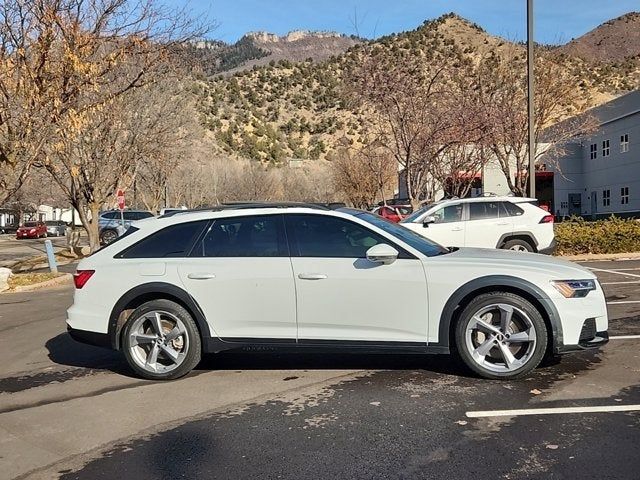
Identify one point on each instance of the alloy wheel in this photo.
(158, 342)
(501, 338)
(519, 248)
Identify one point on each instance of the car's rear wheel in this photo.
(500, 335)
(517, 245)
(108, 236)
(161, 341)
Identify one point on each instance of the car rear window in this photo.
(513, 210)
(173, 241)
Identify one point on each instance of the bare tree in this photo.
(502, 83)
(64, 63)
(365, 175)
(406, 99)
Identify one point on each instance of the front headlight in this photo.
(574, 288)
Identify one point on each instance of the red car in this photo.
(395, 213)
(32, 230)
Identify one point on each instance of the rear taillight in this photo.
(81, 277)
(547, 219)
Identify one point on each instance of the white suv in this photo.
(511, 223)
(293, 277)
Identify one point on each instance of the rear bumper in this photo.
(90, 338)
(550, 250)
(601, 338)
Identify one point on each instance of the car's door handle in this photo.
(312, 276)
(201, 276)
(503, 223)
(458, 229)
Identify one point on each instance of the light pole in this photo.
(530, 105)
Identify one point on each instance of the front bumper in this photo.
(90, 338)
(550, 250)
(601, 338)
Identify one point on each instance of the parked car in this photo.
(305, 277)
(111, 225)
(32, 230)
(395, 213)
(510, 223)
(56, 228)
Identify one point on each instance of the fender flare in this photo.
(529, 235)
(164, 290)
(496, 282)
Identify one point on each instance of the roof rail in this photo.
(247, 205)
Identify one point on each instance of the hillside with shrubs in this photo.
(296, 109)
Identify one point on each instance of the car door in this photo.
(342, 296)
(488, 222)
(240, 274)
(447, 229)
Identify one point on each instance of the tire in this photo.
(108, 236)
(491, 350)
(518, 245)
(177, 351)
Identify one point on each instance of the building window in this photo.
(594, 151)
(624, 143)
(606, 148)
(606, 198)
(624, 195)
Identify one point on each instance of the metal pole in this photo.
(530, 104)
(51, 257)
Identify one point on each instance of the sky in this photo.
(556, 21)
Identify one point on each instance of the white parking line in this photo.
(623, 302)
(621, 283)
(624, 337)
(615, 272)
(552, 411)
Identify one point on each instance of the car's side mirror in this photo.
(382, 253)
(427, 220)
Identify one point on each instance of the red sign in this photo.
(120, 199)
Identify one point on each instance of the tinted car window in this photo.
(512, 210)
(254, 236)
(110, 215)
(448, 214)
(484, 210)
(420, 243)
(30, 224)
(173, 241)
(141, 215)
(330, 237)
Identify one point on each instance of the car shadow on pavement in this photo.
(64, 350)
(445, 364)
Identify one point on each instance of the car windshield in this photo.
(31, 224)
(423, 245)
(415, 215)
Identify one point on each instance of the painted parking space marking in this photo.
(553, 411)
(630, 282)
(634, 275)
(623, 302)
(624, 337)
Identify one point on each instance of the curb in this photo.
(64, 279)
(593, 257)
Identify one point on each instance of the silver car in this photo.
(56, 228)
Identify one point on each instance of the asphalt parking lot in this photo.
(75, 412)
(12, 249)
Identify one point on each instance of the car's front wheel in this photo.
(161, 341)
(500, 335)
(518, 245)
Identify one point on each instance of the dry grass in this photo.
(24, 279)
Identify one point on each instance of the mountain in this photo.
(262, 48)
(288, 104)
(613, 41)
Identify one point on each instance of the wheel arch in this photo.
(154, 291)
(499, 283)
(526, 236)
